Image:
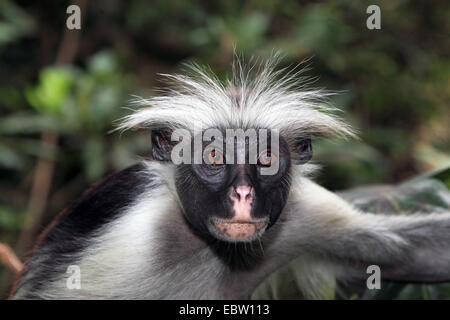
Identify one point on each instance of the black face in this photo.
(231, 201)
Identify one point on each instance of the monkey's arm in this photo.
(406, 248)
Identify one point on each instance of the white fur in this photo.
(254, 97)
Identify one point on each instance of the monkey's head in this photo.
(234, 145)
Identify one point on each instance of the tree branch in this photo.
(9, 258)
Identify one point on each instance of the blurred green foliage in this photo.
(393, 84)
(50, 95)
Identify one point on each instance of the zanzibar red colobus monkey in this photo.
(217, 229)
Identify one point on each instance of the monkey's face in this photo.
(231, 199)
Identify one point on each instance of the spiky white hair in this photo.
(254, 97)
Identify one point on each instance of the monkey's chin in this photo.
(238, 231)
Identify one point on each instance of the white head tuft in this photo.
(254, 97)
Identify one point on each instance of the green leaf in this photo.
(94, 158)
(442, 175)
(50, 94)
(10, 159)
(22, 123)
(11, 220)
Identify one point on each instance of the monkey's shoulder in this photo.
(65, 240)
(101, 204)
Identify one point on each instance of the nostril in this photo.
(243, 192)
(234, 194)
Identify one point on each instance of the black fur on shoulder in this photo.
(74, 229)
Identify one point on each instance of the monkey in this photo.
(215, 228)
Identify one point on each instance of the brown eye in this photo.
(215, 157)
(266, 159)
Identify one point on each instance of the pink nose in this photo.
(243, 192)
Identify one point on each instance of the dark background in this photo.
(60, 90)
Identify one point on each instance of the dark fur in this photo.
(75, 228)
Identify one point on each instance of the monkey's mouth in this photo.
(232, 230)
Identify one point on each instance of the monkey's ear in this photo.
(302, 150)
(161, 144)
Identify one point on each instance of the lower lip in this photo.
(239, 230)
